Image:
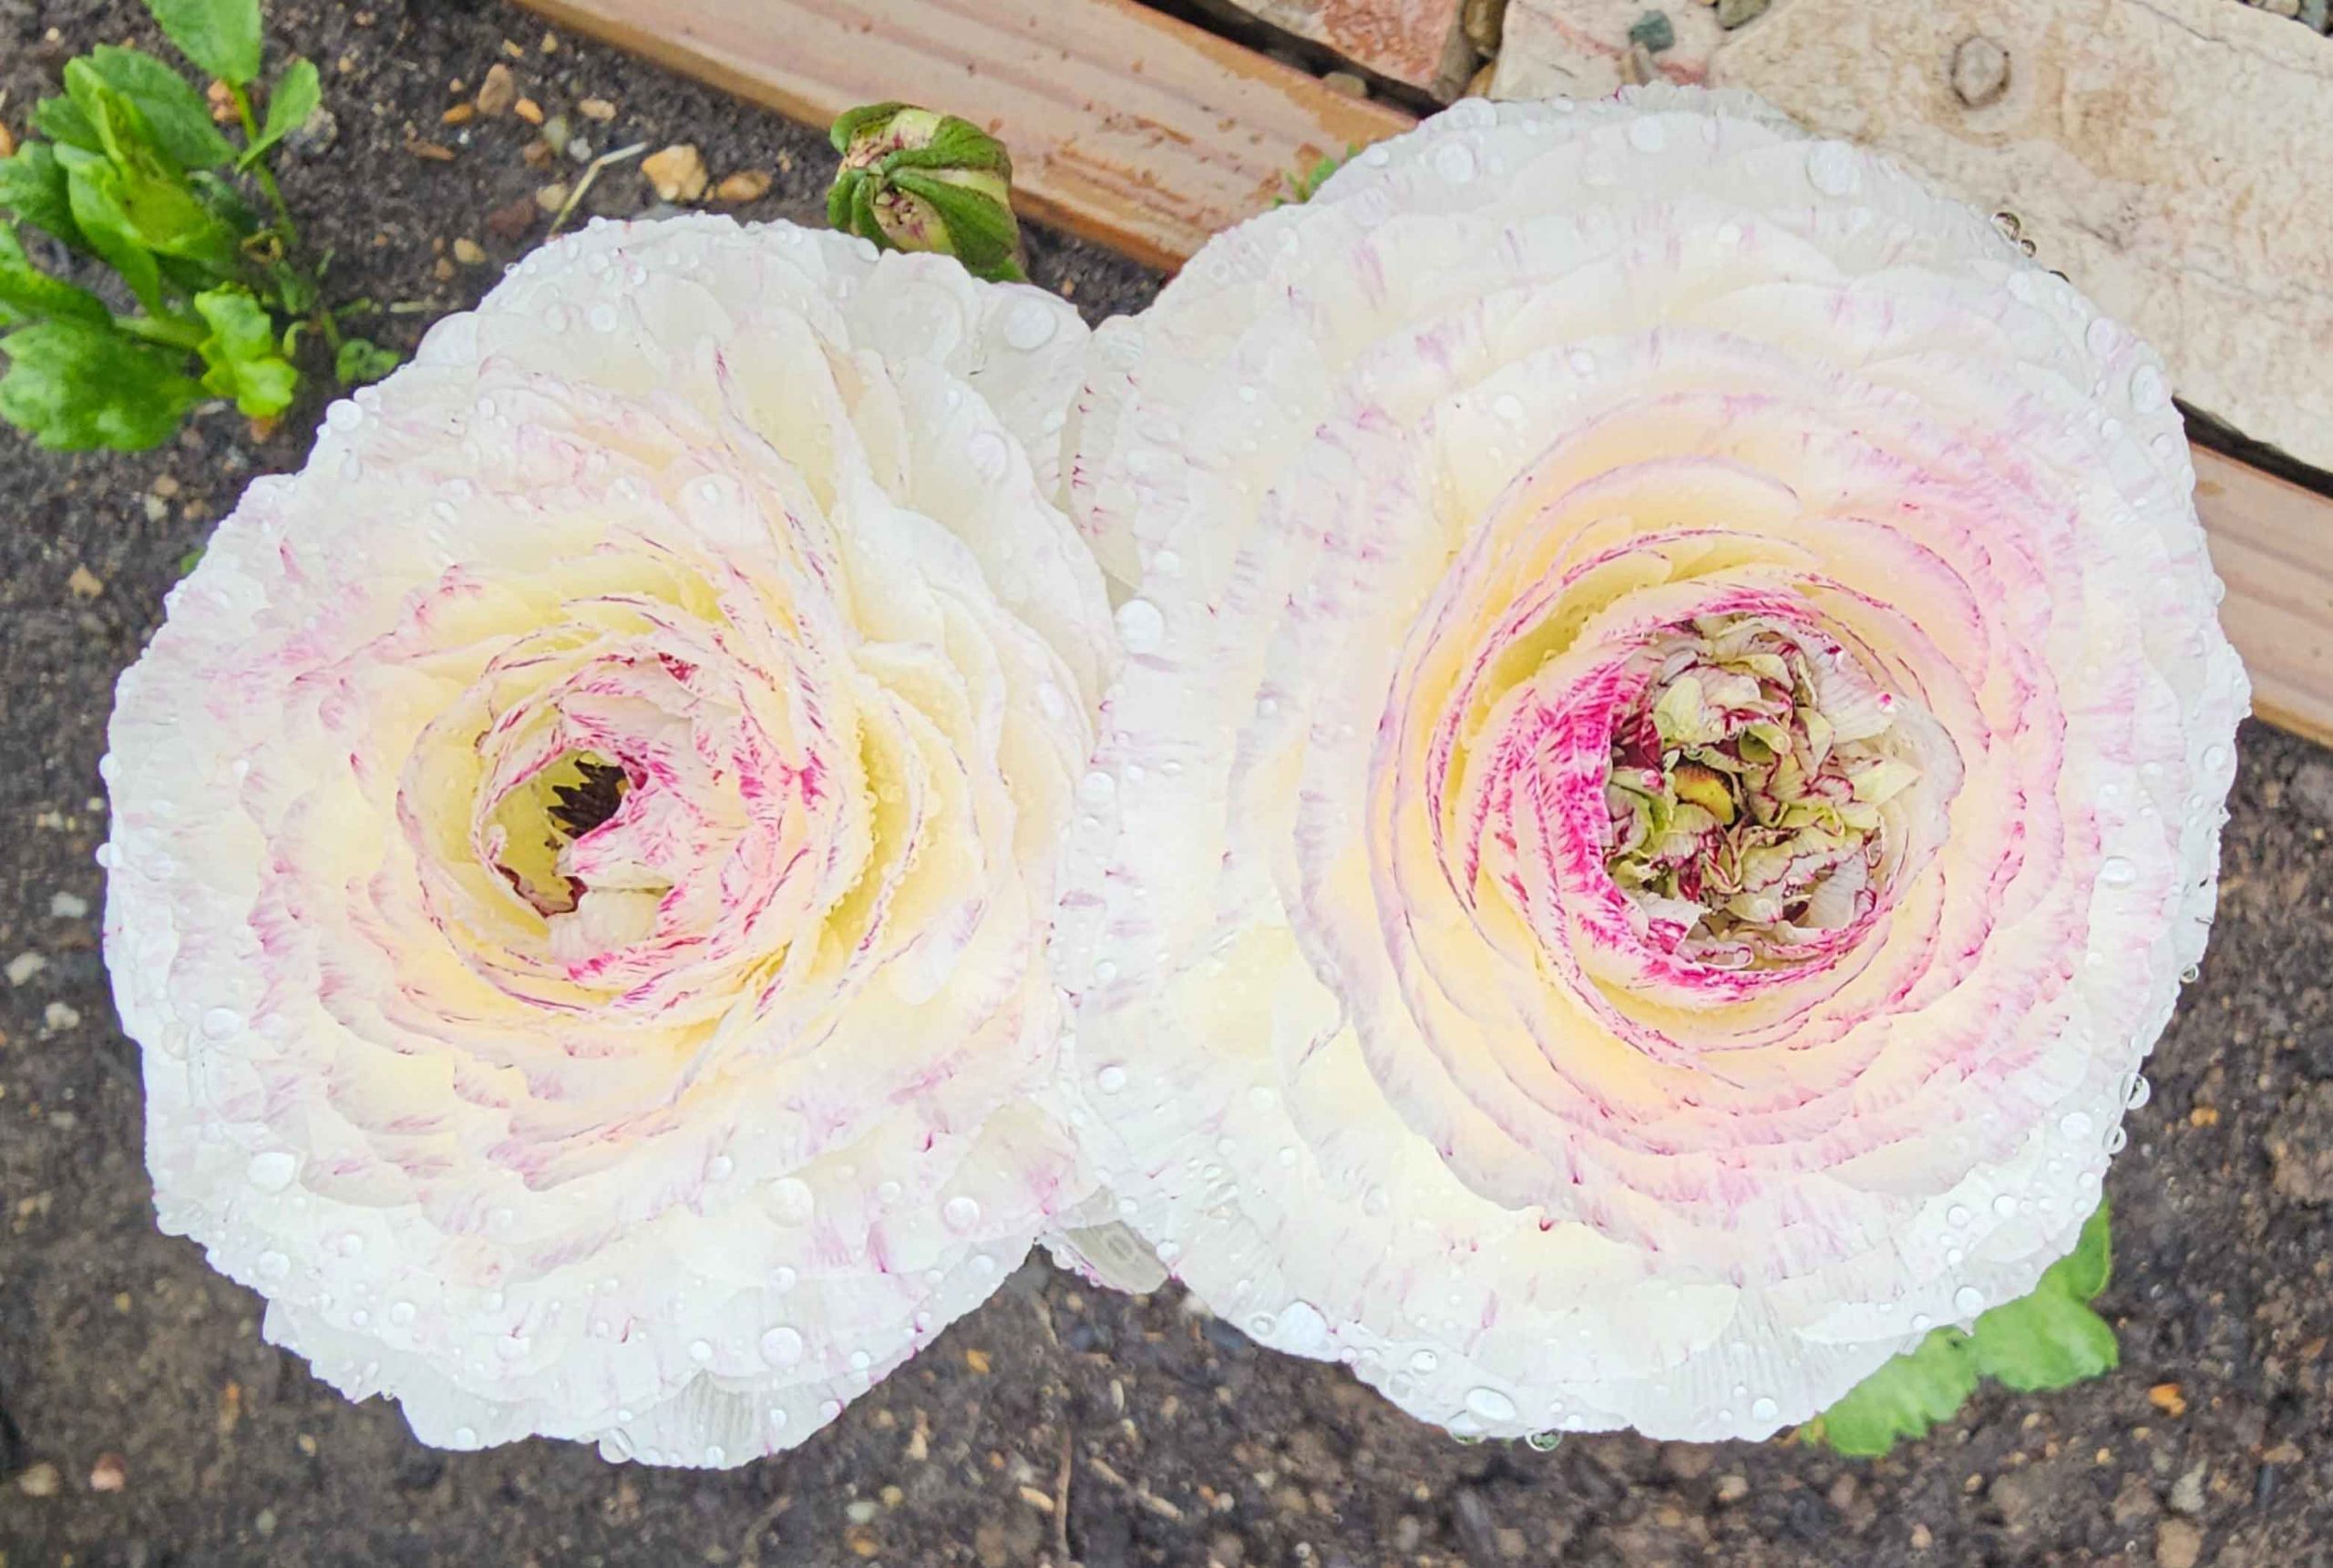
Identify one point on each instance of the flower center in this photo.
(1746, 789)
(576, 793)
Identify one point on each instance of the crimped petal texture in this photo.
(1563, 469)
(584, 845)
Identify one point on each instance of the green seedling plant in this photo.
(2049, 1339)
(129, 171)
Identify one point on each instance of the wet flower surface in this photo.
(1670, 766)
(583, 846)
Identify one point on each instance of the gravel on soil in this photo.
(144, 1423)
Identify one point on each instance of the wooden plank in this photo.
(2273, 544)
(1129, 128)
(1147, 135)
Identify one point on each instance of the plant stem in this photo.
(174, 331)
(288, 232)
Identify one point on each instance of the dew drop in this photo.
(1834, 168)
(272, 1172)
(2075, 1124)
(1646, 136)
(1097, 788)
(1490, 1404)
(782, 1347)
(1508, 406)
(700, 1350)
(2148, 392)
(1454, 161)
(1425, 1361)
(218, 1023)
(511, 1348)
(2117, 872)
(2005, 1206)
(401, 1312)
(1957, 1214)
(2140, 1092)
(1030, 324)
(1968, 1301)
(1544, 1442)
(1140, 624)
(715, 1454)
(791, 1201)
(1112, 1079)
(273, 1265)
(961, 1215)
(1763, 1410)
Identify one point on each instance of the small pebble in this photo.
(469, 253)
(41, 1481)
(1738, 13)
(1654, 31)
(498, 92)
(24, 967)
(61, 1015)
(1732, 1488)
(110, 1473)
(528, 109)
(2178, 1543)
(67, 906)
(1483, 21)
(552, 197)
(600, 109)
(745, 185)
(2187, 1492)
(677, 173)
(509, 222)
(84, 583)
(1346, 84)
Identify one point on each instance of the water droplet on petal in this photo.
(791, 1201)
(700, 1350)
(1454, 161)
(2075, 1124)
(1763, 1410)
(272, 1172)
(1646, 136)
(273, 1265)
(1111, 1078)
(1140, 624)
(782, 1347)
(1490, 1404)
(1834, 168)
(1030, 324)
(1968, 1301)
(218, 1023)
(2117, 872)
(961, 1215)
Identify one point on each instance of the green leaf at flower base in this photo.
(2052, 1338)
(222, 36)
(75, 385)
(296, 95)
(243, 359)
(29, 294)
(179, 117)
(2047, 1339)
(33, 188)
(360, 362)
(1904, 1399)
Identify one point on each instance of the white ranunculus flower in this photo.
(584, 845)
(1670, 766)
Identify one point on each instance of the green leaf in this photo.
(980, 228)
(242, 358)
(2051, 1338)
(34, 187)
(295, 95)
(102, 214)
(1903, 1400)
(359, 361)
(221, 37)
(27, 293)
(2044, 1340)
(76, 385)
(62, 121)
(177, 116)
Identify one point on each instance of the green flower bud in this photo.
(915, 181)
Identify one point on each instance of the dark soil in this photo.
(1056, 1423)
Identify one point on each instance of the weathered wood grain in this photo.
(1126, 126)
